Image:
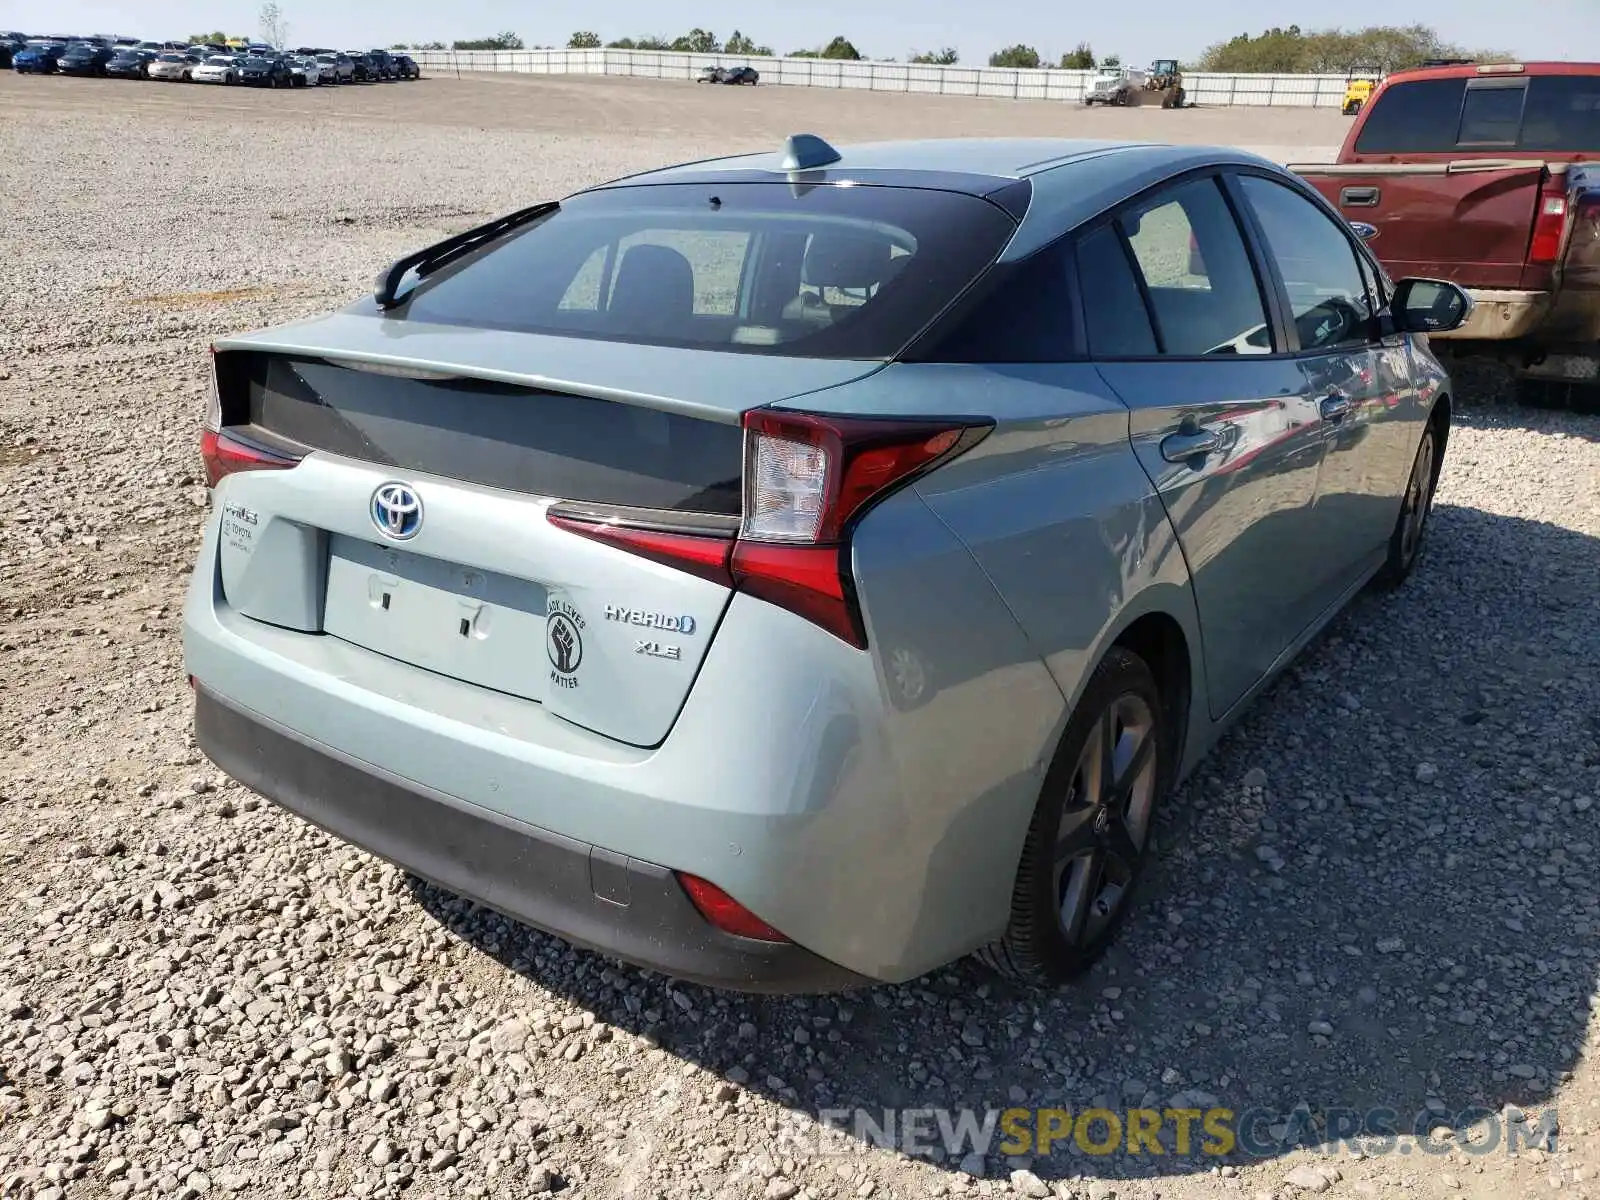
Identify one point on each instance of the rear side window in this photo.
(1491, 116)
(1203, 291)
(1562, 114)
(758, 268)
(1020, 313)
(1419, 117)
(1113, 307)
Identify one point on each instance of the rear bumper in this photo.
(1567, 320)
(1501, 316)
(633, 910)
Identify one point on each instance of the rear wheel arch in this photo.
(1159, 640)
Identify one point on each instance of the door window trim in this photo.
(1271, 303)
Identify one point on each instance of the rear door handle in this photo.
(1359, 197)
(1335, 406)
(1181, 447)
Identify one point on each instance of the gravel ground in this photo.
(1378, 892)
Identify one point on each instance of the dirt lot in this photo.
(1379, 893)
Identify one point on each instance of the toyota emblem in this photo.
(397, 511)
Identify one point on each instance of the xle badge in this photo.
(563, 641)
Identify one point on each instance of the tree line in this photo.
(1291, 51)
(1377, 48)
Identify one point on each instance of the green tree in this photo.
(939, 58)
(840, 47)
(217, 38)
(584, 40)
(500, 41)
(697, 41)
(1015, 56)
(1376, 48)
(1081, 59)
(1111, 62)
(738, 43)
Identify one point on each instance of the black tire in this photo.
(1411, 526)
(1090, 815)
(1559, 395)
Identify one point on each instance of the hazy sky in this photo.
(889, 28)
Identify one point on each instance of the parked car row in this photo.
(254, 64)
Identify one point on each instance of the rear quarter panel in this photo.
(1053, 505)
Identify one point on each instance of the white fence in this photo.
(1292, 91)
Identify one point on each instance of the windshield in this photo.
(834, 272)
(172, 58)
(219, 60)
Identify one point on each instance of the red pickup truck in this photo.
(1488, 175)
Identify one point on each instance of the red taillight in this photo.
(699, 554)
(808, 479)
(224, 455)
(726, 913)
(1550, 223)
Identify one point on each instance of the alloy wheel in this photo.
(1105, 822)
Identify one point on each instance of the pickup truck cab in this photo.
(1488, 175)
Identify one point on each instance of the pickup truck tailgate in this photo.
(1468, 221)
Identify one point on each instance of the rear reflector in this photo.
(726, 913)
(225, 454)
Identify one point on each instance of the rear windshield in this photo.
(761, 268)
(1550, 114)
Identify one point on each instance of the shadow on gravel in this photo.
(1374, 904)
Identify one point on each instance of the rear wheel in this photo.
(1087, 843)
(1405, 543)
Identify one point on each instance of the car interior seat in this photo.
(654, 291)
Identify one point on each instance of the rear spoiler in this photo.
(1460, 166)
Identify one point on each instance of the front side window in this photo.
(821, 272)
(1203, 291)
(1327, 292)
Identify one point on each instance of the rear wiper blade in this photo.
(431, 258)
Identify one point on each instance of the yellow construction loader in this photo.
(1164, 81)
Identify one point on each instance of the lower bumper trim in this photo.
(624, 907)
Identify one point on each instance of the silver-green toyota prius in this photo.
(807, 568)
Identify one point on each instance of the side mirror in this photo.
(1430, 306)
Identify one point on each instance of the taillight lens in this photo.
(1550, 223)
(807, 480)
(225, 455)
(726, 913)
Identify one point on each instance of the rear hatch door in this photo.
(417, 522)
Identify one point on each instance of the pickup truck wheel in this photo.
(1534, 391)
(1405, 543)
(1090, 834)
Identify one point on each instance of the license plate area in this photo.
(478, 626)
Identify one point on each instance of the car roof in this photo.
(1072, 180)
(1470, 69)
